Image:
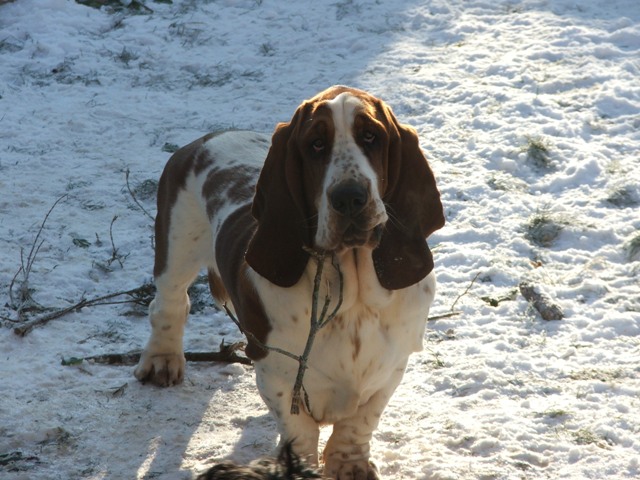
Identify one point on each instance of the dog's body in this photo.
(343, 176)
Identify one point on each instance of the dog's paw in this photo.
(163, 370)
(356, 470)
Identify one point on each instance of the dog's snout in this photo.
(349, 198)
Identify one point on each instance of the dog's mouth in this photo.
(343, 233)
(354, 237)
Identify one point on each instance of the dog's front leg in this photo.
(346, 455)
(301, 429)
(162, 362)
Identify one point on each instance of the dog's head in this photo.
(342, 174)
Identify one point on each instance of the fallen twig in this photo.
(25, 268)
(226, 354)
(443, 316)
(115, 255)
(138, 295)
(466, 290)
(133, 196)
(453, 311)
(541, 302)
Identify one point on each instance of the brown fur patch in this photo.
(173, 179)
(233, 184)
(232, 243)
(217, 288)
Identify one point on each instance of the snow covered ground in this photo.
(530, 114)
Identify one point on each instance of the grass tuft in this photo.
(623, 197)
(170, 147)
(556, 413)
(633, 249)
(126, 56)
(146, 190)
(112, 6)
(543, 229)
(506, 183)
(267, 50)
(537, 150)
(200, 296)
(584, 436)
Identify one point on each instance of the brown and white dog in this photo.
(342, 176)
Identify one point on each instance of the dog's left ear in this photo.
(413, 202)
(276, 250)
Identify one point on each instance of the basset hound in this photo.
(343, 176)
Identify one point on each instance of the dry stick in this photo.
(453, 312)
(114, 251)
(465, 291)
(26, 269)
(315, 325)
(226, 354)
(443, 315)
(126, 176)
(28, 326)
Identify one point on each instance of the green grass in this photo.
(633, 248)
(584, 436)
(555, 413)
(543, 229)
(623, 197)
(538, 152)
(136, 6)
(603, 375)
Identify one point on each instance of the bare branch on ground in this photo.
(25, 299)
(141, 295)
(226, 354)
(133, 196)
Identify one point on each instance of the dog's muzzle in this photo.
(354, 211)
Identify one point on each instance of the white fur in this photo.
(347, 161)
(345, 389)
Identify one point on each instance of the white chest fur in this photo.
(356, 354)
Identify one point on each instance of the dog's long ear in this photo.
(276, 249)
(413, 203)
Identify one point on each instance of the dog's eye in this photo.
(369, 137)
(318, 145)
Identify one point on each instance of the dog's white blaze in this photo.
(347, 162)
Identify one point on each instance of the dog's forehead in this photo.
(344, 108)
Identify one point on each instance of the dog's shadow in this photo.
(230, 420)
(216, 415)
(259, 437)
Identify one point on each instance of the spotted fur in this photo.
(344, 176)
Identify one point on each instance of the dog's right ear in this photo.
(276, 250)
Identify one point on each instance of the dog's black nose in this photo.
(349, 198)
